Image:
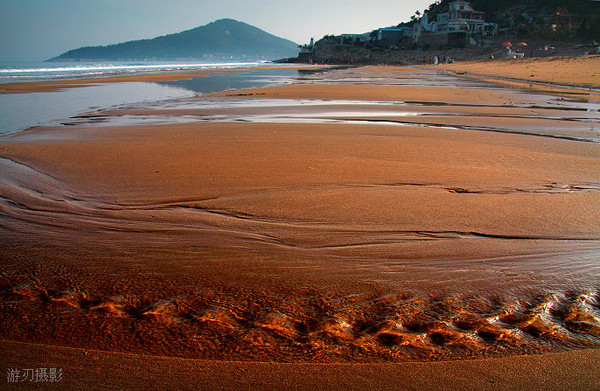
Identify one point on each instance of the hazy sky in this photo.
(34, 30)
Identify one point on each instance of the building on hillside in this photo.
(461, 20)
(354, 39)
(310, 48)
(382, 35)
(461, 17)
(394, 33)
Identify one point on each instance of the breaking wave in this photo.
(44, 71)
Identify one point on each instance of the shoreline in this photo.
(569, 71)
(57, 85)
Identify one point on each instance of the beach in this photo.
(574, 71)
(425, 227)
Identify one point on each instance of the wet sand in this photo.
(88, 369)
(327, 222)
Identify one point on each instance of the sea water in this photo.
(22, 111)
(39, 71)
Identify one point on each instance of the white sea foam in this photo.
(121, 67)
(44, 71)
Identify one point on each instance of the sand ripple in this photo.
(391, 327)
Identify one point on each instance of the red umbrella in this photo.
(507, 44)
(521, 44)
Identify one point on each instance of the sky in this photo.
(35, 30)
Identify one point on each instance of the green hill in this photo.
(223, 39)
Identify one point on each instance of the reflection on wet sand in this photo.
(537, 113)
(423, 216)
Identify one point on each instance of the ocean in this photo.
(21, 111)
(38, 71)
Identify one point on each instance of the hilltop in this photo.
(224, 39)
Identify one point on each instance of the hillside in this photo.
(567, 20)
(219, 40)
(547, 28)
(502, 6)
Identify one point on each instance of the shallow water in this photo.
(567, 120)
(250, 79)
(21, 111)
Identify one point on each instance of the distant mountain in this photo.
(224, 39)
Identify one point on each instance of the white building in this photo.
(394, 33)
(353, 39)
(461, 17)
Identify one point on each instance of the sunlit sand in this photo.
(416, 221)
